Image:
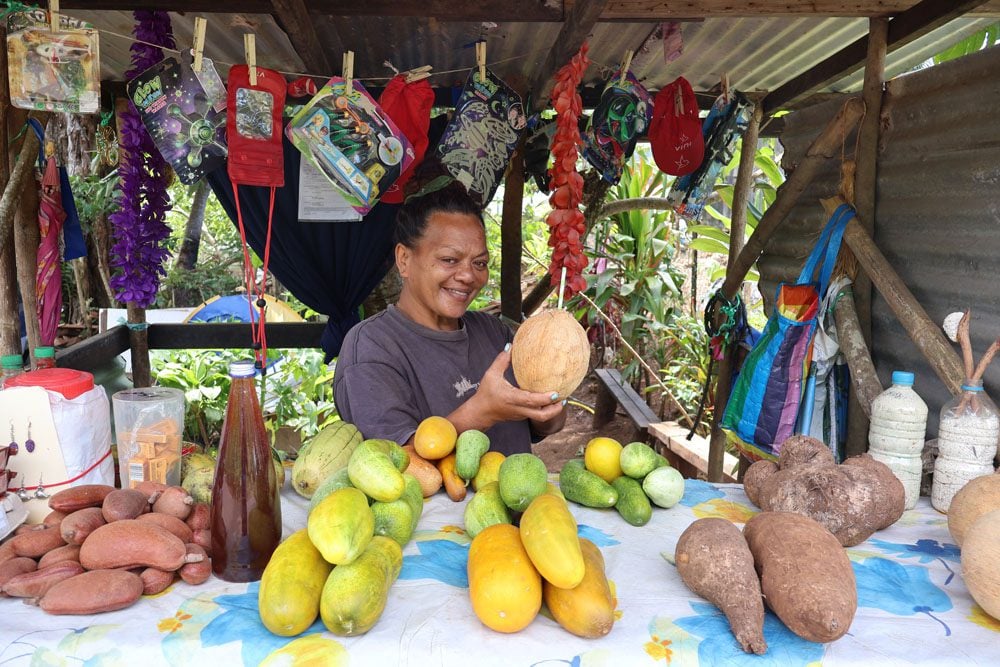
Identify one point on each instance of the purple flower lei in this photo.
(139, 227)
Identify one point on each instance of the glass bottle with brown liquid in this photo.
(246, 506)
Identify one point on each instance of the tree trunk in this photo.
(10, 324)
(187, 255)
(385, 293)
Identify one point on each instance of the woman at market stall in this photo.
(428, 354)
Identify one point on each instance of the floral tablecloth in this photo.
(913, 608)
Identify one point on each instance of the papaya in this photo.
(548, 532)
(338, 480)
(469, 449)
(341, 526)
(355, 594)
(584, 487)
(505, 588)
(329, 451)
(372, 470)
(588, 610)
(292, 584)
(485, 509)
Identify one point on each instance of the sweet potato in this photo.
(200, 517)
(54, 518)
(15, 566)
(78, 525)
(151, 488)
(805, 575)
(426, 472)
(199, 572)
(131, 543)
(34, 584)
(123, 504)
(29, 527)
(155, 581)
(6, 552)
(174, 501)
(203, 538)
(714, 561)
(37, 543)
(453, 484)
(60, 554)
(93, 592)
(171, 523)
(77, 497)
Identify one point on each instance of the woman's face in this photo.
(444, 272)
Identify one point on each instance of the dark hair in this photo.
(411, 219)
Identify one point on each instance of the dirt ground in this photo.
(559, 447)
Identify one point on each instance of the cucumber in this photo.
(522, 478)
(485, 509)
(632, 503)
(469, 449)
(394, 520)
(372, 470)
(637, 460)
(584, 487)
(337, 480)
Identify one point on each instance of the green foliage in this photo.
(978, 41)
(298, 393)
(684, 348)
(94, 196)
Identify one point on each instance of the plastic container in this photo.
(246, 507)
(896, 433)
(148, 427)
(67, 381)
(967, 443)
(11, 365)
(45, 357)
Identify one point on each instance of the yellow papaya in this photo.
(548, 531)
(589, 609)
(355, 594)
(342, 525)
(505, 588)
(288, 600)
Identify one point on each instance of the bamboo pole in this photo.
(738, 223)
(865, 195)
(825, 146)
(510, 236)
(10, 324)
(138, 338)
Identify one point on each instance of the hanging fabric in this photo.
(409, 106)
(48, 268)
(675, 132)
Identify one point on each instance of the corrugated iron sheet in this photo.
(757, 53)
(938, 208)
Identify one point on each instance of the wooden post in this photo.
(825, 146)
(510, 236)
(865, 182)
(138, 338)
(864, 381)
(10, 324)
(928, 336)
(741, 195)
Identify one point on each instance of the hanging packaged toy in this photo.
(253, 127)
(480, 138)
(621, 115)
(179, 115)
(53, 70)
(352, 141)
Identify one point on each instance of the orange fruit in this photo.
(603, 458)
(435, 438)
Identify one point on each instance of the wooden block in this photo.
(138, 470)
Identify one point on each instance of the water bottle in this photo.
(967, 443)
(896, 433)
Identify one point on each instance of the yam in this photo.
(805, 575)
(890, 496)
(54, 518)
(714, 561)
(976, 498)
(801, 450)
(79, 524)
(130, 543)
(60, 554)
(123, 504)
(200, 517)
(155, 581)
(6, 552)
(980, 554)
(170, 523)
(14, 567)
(174, 501)
(77, 497)
(93, 592)
(34, 584)
(197, 572)
(754, 479)
(37, 543)
(151, 488)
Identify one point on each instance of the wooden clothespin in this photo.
(250, 50)
(724, 86)
(678, 101)
(348, 69)
(481, 59)
(418, 73)
(53, 15)
(625, 65)
(200, 25)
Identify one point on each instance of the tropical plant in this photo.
(983, 39)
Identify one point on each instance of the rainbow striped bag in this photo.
(764, 404)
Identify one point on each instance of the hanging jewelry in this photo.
(29, 444)
(22, 492)
(40, 489)
(12, 447)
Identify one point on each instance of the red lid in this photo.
(67, 381)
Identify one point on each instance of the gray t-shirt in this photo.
(392, 373)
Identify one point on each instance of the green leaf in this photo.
(770, 168)
(710, 232)
(705, 244)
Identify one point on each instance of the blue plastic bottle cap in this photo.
(903, 378)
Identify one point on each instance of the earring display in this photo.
(29, 444)
(12, 447)
(22, 492)
(40, 490)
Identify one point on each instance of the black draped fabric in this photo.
(329, 266)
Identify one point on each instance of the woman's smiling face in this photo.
(445, 270)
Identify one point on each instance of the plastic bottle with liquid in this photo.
(967, 443)
(896, 433)
(11, 365)
(45, 357)
(246, 506)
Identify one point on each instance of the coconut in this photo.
(979, 496)
(550, 353)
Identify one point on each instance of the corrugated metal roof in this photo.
(938, 208)
(757, 53)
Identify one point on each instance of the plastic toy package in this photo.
(53, 71)
(181, 117)
(253, 129)
(622, 114)
(352, 141)
(480, 138)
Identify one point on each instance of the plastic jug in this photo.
(967, 443)
(896, 433)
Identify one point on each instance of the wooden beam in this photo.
(293, 17)
(864, 379)
(580, 20)
(96, 351)
(658, 10)
(511, 242)
(906, 27)
(138, 342)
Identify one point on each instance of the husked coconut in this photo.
(550, 353)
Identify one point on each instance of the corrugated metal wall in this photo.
(938, 208)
